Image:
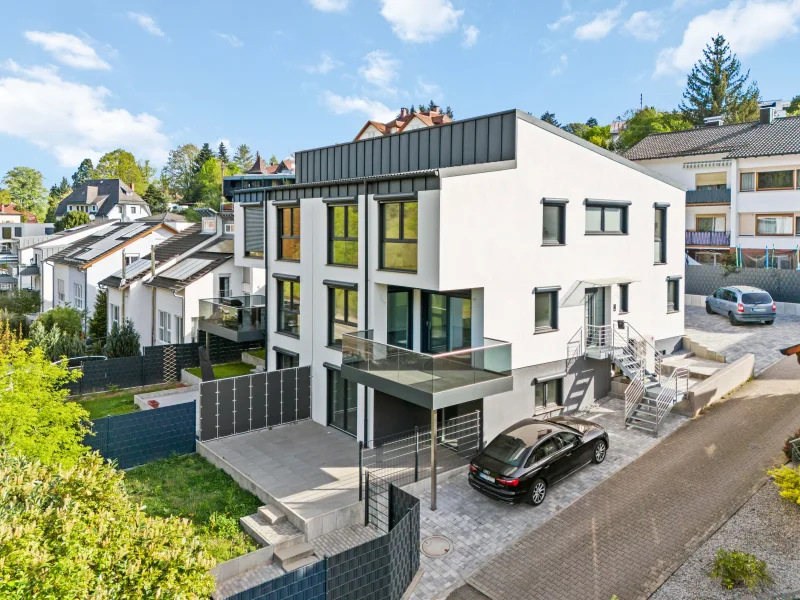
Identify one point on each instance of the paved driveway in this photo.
(715, 332)
(628, 534)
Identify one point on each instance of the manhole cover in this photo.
(436, 546)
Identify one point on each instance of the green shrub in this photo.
(55, 343)
(21, 302)
(122, 341)
(739, 569)
(68, 319)
(787, 447)
(787, 480)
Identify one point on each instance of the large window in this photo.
(77, 296)
(546, 310)
(606, 218)
(289, 307)
(342, 402)
(553, 223)
(343, 235)
(399, 317)
(399, 236)
(775, 180)
(289, 233)
(710, 223)
(447, 322)
(774, 225)
(286, 360)
(342, 314)
(548, 394)
(673, 295)
(660, 236)
(164, 327)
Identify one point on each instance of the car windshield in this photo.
(757, 298)
(507, 449)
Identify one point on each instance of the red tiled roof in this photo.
(399, 123)
(8, 209)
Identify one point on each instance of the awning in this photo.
(29, 271)
(7, 279)
(576, 294)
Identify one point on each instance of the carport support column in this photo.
(433, 460)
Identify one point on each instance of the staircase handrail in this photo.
(634, 392)
(678, 381)
(578, 334)
(657, 359)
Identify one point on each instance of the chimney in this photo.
(717, 121)
(91, 193)
(766, 115)
(403, 113)
(435, 109)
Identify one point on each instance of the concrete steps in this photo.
(272, 514)
(280, 534)
(296, 556)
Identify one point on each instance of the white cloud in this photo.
(231, 39)
(420, 21)
(561, 66)
(146, 22)
(325, 65)
(330, 5)
(470, 36)
(372, 109)
(644, 26)
(381, 70)
(68, 49)
(601, 25)
(428, 90)
(556, 25)
(749, 26)
(71, 120)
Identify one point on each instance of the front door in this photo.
(595, 315)
(342, 402)
(224, 286)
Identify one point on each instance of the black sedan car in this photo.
(531, 455)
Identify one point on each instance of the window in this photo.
(774, 224)
(398, 233)
(115, 314)
(546, 449)
(289, 307)
(209, 225)
(673, 295)
(548, 394)
(229, 227)
(546, 310)
(254, 231)
(342, 402)
(224, 286)
(553, 223)
(245, 274)
(399, 317)
(17, 231)
(624, 289)
(61, 297)
(710, 223)
(342, 314)
(130, 259)
(6, 233)
(447, 321)
(178, 329)
(133, 210)
(77, 296)
(343, 235)
(775, 180)
(606, 218)
(164, 326)
(711, 181)
(747, 182)
(289, 233)
(94, 208)
(660, 236)
(286, 360)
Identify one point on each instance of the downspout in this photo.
(122, 289)
(366, 297)
(153, 296)
(85, 299)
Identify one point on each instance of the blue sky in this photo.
(83, 77)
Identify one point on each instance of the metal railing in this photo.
(710, 196)
(708, 238)
(677, 383)
(795, 445)
(237, 313)
(634, 393)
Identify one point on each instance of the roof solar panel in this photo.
(186, 268)
(134, 269)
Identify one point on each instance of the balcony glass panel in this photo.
(237, 313)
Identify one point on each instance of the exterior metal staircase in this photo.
(651, 394)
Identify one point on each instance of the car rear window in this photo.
(507, 449)
(756, 298)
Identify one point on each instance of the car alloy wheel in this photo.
(599, 452)
(538, 492)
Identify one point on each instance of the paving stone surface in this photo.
(631, 532)
(247, 580)
(343, 539)
(480, 528)
(765, 341)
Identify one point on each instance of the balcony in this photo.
(237, 318)
(430, 381)
(708, 238)
(712, 196)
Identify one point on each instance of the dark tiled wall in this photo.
(306, 583)
(782, 284)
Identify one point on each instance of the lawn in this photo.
(115, 403)
(262, 354)
(189, 486)
(233, 369)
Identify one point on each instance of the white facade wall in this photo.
(255, 264)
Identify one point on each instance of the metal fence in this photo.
(377, 507)
(795, 445)
(782, 284)
(249, 402)
(406, 457)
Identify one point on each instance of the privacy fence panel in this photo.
(306, 583)
(120, 372)
(165, 363)
(221, 350)
(141, 437)
(249, 402)
(783, 285)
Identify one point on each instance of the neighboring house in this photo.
(261, 174)
(743, 183)
(175, 220)
(9, 214)
(104, 199)
(485, 257)
(79, 268)
(405, 121)
(16, 254)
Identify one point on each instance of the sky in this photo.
(80, 78)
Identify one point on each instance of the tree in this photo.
(202, 157)
(56, 343)
(207, 185)
(83, 173)
(60, 191)
(5, 197)
(273, 160)
(243, 158)
(222, 154)
(549, 117)
(35, 420)
(98, 324)
(449, 112)
(73, 219)
(75, 533)
(22, 302)
(716, 87)
(26, 190)
(68, 319)
(121, 164)
(179, 169)
(122, 341)
(642, 123)
(794, 107)
(156, 199)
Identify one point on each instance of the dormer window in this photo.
(209, 225)
(229, 227)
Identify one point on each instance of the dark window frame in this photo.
(292, 310)
(333, 321)
(662, 259)
(282, 212)
(409, 316)
(623, 208)
(624, 298)
(558, 402)
(401, 239)
(561, 208)
(332, 238)
(673, 295)
(281, 357)
(346, 386)
(553, 294)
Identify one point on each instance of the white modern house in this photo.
(467, 266)
(110, 199)
(743, 183)
(17, 240)
(79, 268)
